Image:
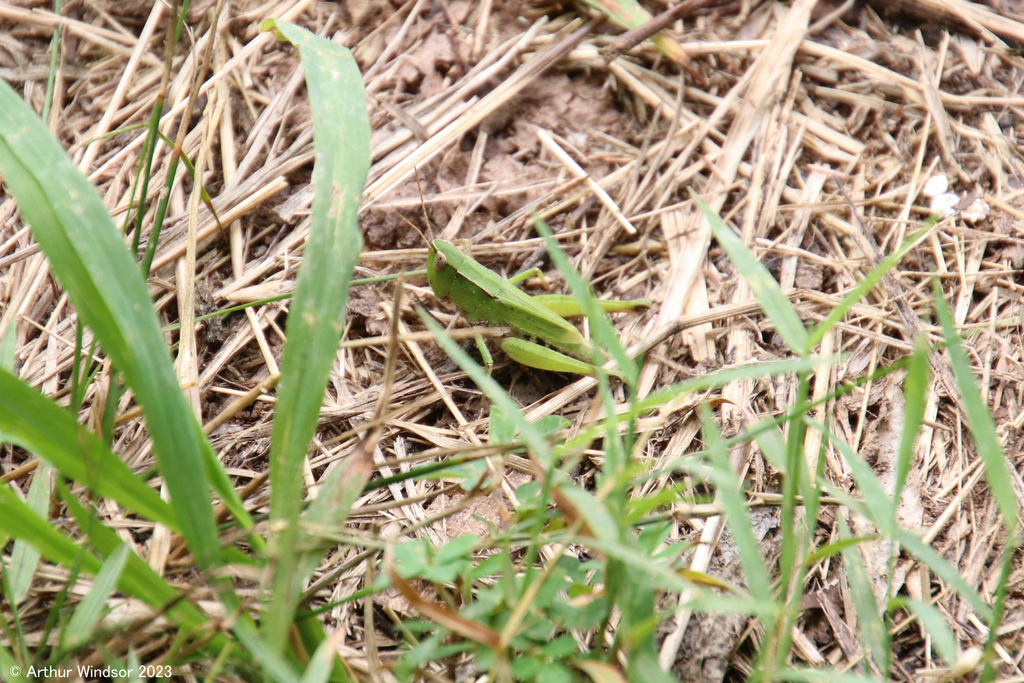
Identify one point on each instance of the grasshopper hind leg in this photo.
(570, 307)
(543, 358)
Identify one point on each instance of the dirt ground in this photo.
(822, 132)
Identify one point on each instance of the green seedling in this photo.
(485, 296)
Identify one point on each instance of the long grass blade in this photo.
(762, 285)
(867, 284)
(18, 520)
(87, 254)
(821, 675)
(944, 570)
(10, 671)
(601, 327)
(341, 135)
(879, 505)
(88, 613)
(728, 487)
(25, 558)
(494, 391)
(39, 425)
(872, 627)
(137, 578)
(915, 395)
(983, 427)
(934, 622)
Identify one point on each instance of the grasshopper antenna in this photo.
(423, 204)
(413, 226)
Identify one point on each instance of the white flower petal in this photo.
(935, 186)
(945, 204)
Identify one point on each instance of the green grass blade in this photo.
(338, 494)
(872, 626)
(341, 135)
(143, 172)
(1008, 564)
(762, 285)
(8, 348)
(593, 511)
(728, 486)
(134, 667)
(221, 483)
(720, 378)
(18, 520)
(664, 577)
(25, 558)
(947, 572)
(10, 671)
(879, 505)
(847, 500)
(529, 434)
(312, 636)
(714, 602)
(13, 631)
(915, 395)
(86, 253)
(39, 425)
(276, 667)
(862, 289)
(771, 442)
(601, 327)
(146, 265)
(657, 572)
(643, 666)
(55, 59)
(836, 548)
(659, 399)
(934, 622)
(138, 578)
(89, 611)
(322, 663)
(983, 427)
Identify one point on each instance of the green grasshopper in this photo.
(485, 296)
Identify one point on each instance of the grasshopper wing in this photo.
(533, 320)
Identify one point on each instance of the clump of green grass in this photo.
(557, 618)
(89, 257)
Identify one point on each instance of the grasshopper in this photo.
(485, 296)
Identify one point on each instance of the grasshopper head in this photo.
(440, 272)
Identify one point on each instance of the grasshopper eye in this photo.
(440, 262)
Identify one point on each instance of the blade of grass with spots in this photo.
(341, 136)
